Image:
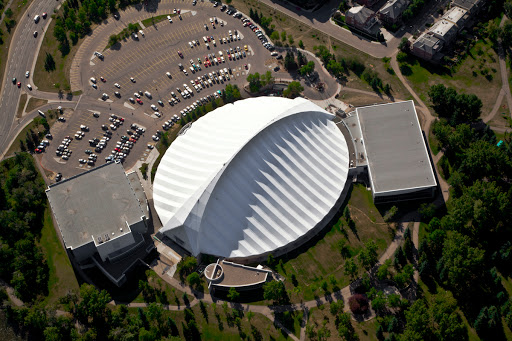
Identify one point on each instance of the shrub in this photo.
(358, 304)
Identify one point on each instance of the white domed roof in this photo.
(251, 177)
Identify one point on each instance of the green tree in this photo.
(460, 264)
(307, 69)
(194, 280)
(368, 255)
(350, 268)
(113, 39)
(301, 44)
(289, 61)
(233, 294)
(404, 44)
(274, 291)
(283, 36)
(254, 82)
(436, 319)
(267, 78)
(383, 271)
(186, 266)
(293, 89)
(274, 36)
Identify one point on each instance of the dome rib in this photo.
(255, 185)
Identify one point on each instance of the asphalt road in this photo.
(19, 61)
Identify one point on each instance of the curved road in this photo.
(22, 55)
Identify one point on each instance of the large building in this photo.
(258, 176)
(397, 157)
(102, 218)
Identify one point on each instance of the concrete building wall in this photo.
(106, 248)
(83, 252)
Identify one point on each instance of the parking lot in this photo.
(213, 47)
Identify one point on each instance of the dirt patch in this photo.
(358, 99)
(502, 116)
(34, 103)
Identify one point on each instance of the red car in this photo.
(179, 11)
(37, 150)
(139, 101)
(133, 140)
(103, 79)
(180, 54)
(19, 84)
(121, 119)
(246, 67)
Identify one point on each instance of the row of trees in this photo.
(340, 69)
(455, 107)
(76, 18)
(257, 81)
(22, 206)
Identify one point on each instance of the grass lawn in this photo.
(311, 37)
(499, 135)
(291, 320)
(217, 323)
(59, 78)
(478, 74)
(164, 143)
(432, 141)
(34, 103)
(320, 258)
(319, 315)
(21, 106)
(155, 20)
(62, 277)
(164, 293)
(422, 232)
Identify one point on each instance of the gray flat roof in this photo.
(98, 202)
(395, 148)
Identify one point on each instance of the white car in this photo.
(117, 85)
(190, 44)
(155, 138)
(27, 74)
(168, 74)
(136, 95)
(132, 79)
(141, 32)
(131, 99)
(154, 107)
(29, 87)
(169, 17)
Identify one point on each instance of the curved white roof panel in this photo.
(251, 177)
